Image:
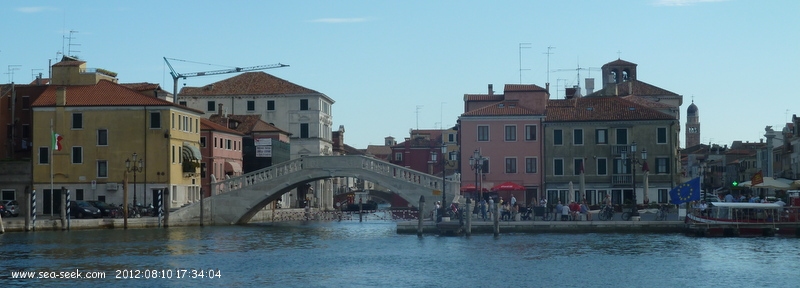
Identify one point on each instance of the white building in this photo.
(303, 112)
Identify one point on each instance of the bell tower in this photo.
(692, 126)
(618, 71)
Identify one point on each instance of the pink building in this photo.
(222, 153)
(506, 129)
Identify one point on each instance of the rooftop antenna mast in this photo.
(11, 69)
(548, 65)
(419, 107)
(69, 46)
(521, 46)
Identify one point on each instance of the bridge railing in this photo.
(332, 163)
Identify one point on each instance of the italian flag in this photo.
(57, 141)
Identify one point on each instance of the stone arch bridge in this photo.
(237, 200)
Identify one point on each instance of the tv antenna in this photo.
(69, 45)
(548, 62)
(419, 107)
(521, 46)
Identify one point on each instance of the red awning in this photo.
(508, 186)
(470, 188)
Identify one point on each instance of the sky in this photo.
(392, 66)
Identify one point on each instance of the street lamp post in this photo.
(137, 167)
(444, 180)
(431, 162)
(632, 161)
(476, 163)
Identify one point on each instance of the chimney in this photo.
(491, 91)
(589, 86)
(547, 87)
(219, 109)
(61, 96)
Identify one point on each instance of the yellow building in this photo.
(101, 125)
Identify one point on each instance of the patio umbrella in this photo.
(768, 183)
(468, 188)
(569, 194)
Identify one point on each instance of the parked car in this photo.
(82, 209)
(105, 209)
(9, 208)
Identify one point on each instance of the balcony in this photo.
(617, 150)
(621, 179)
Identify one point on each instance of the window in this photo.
(26, 102)
(661, 137)
(530, 165)
(102, 169)
(303, 104)
(77, 155)
(79, 194)
(26, 131)
(173, 154)
(485, 167)
(304, 130)
(530, 132)
(511, 133)
(44, 155)
(662, 196)
(182, 103)
(662, 165)
(216, 140)
(155, 120)
(483, 133)
(601, 136)
(577, 164)
(77, 121)
(203, 170)
(511, 165)
(558, 167)
(228, 144)
(173, 120)
(251, 105)
(621, 166)
(557, 137)
(270, 105)
(398, 156)
(602, 166)
(451, 138)
(577, 136)
(211, 106)
(622, 136)
(202, 141)
(102, 137)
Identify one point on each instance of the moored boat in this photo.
(744, 219)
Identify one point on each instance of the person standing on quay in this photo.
(559, 209)
(483, 209)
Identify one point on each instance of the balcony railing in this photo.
(621, 179)
(618, 149)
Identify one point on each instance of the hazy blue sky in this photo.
(396, 65)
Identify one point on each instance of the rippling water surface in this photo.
(353, 254)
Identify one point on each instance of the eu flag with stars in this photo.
(688, 191)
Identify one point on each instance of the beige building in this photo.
(102, 125)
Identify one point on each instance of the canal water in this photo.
(372, 254)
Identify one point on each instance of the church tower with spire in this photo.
(692, 126)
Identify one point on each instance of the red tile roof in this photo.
(600, 109)
(632, 87)
(620, 62)
(483, 97)
(647, 102)
(143, 86)
(104, 93)
(247, 123)
(502, 108)
(249, 83)
(206, 124)
(522, 88)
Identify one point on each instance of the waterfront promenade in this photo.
(487, 227)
